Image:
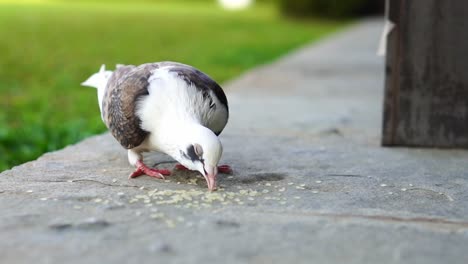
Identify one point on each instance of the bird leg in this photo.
(221, 168)
(225, 169)
(180, 167)
(142, 169)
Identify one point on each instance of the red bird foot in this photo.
(221, 168)
(142, 169)
(225, 169)
(180, 167)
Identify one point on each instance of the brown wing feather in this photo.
(125, 87)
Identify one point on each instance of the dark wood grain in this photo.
(426, 87)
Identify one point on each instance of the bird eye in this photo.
(198, 150)
(194, 152)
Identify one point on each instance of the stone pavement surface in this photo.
(311, 183)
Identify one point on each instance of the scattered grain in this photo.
(157, 215)
(170, 223)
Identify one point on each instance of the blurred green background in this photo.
(47, 48)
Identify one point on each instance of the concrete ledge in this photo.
(311, 183)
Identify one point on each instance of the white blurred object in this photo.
(388, 27)
(235, 4)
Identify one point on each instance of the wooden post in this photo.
(426, 86)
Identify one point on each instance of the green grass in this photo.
(48, 49)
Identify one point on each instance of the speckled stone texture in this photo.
(311, 183)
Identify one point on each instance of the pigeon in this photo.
(167, 107)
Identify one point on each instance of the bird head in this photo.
(202, 152)
(99, 79)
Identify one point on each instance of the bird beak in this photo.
(210, 176)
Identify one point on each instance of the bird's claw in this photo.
(138, 172)
(142, 169)
(221, 168)
(180, 167)
(224, 169)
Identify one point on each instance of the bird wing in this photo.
(216, 116)
(126, 85)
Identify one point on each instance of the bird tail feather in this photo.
(96, 80)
